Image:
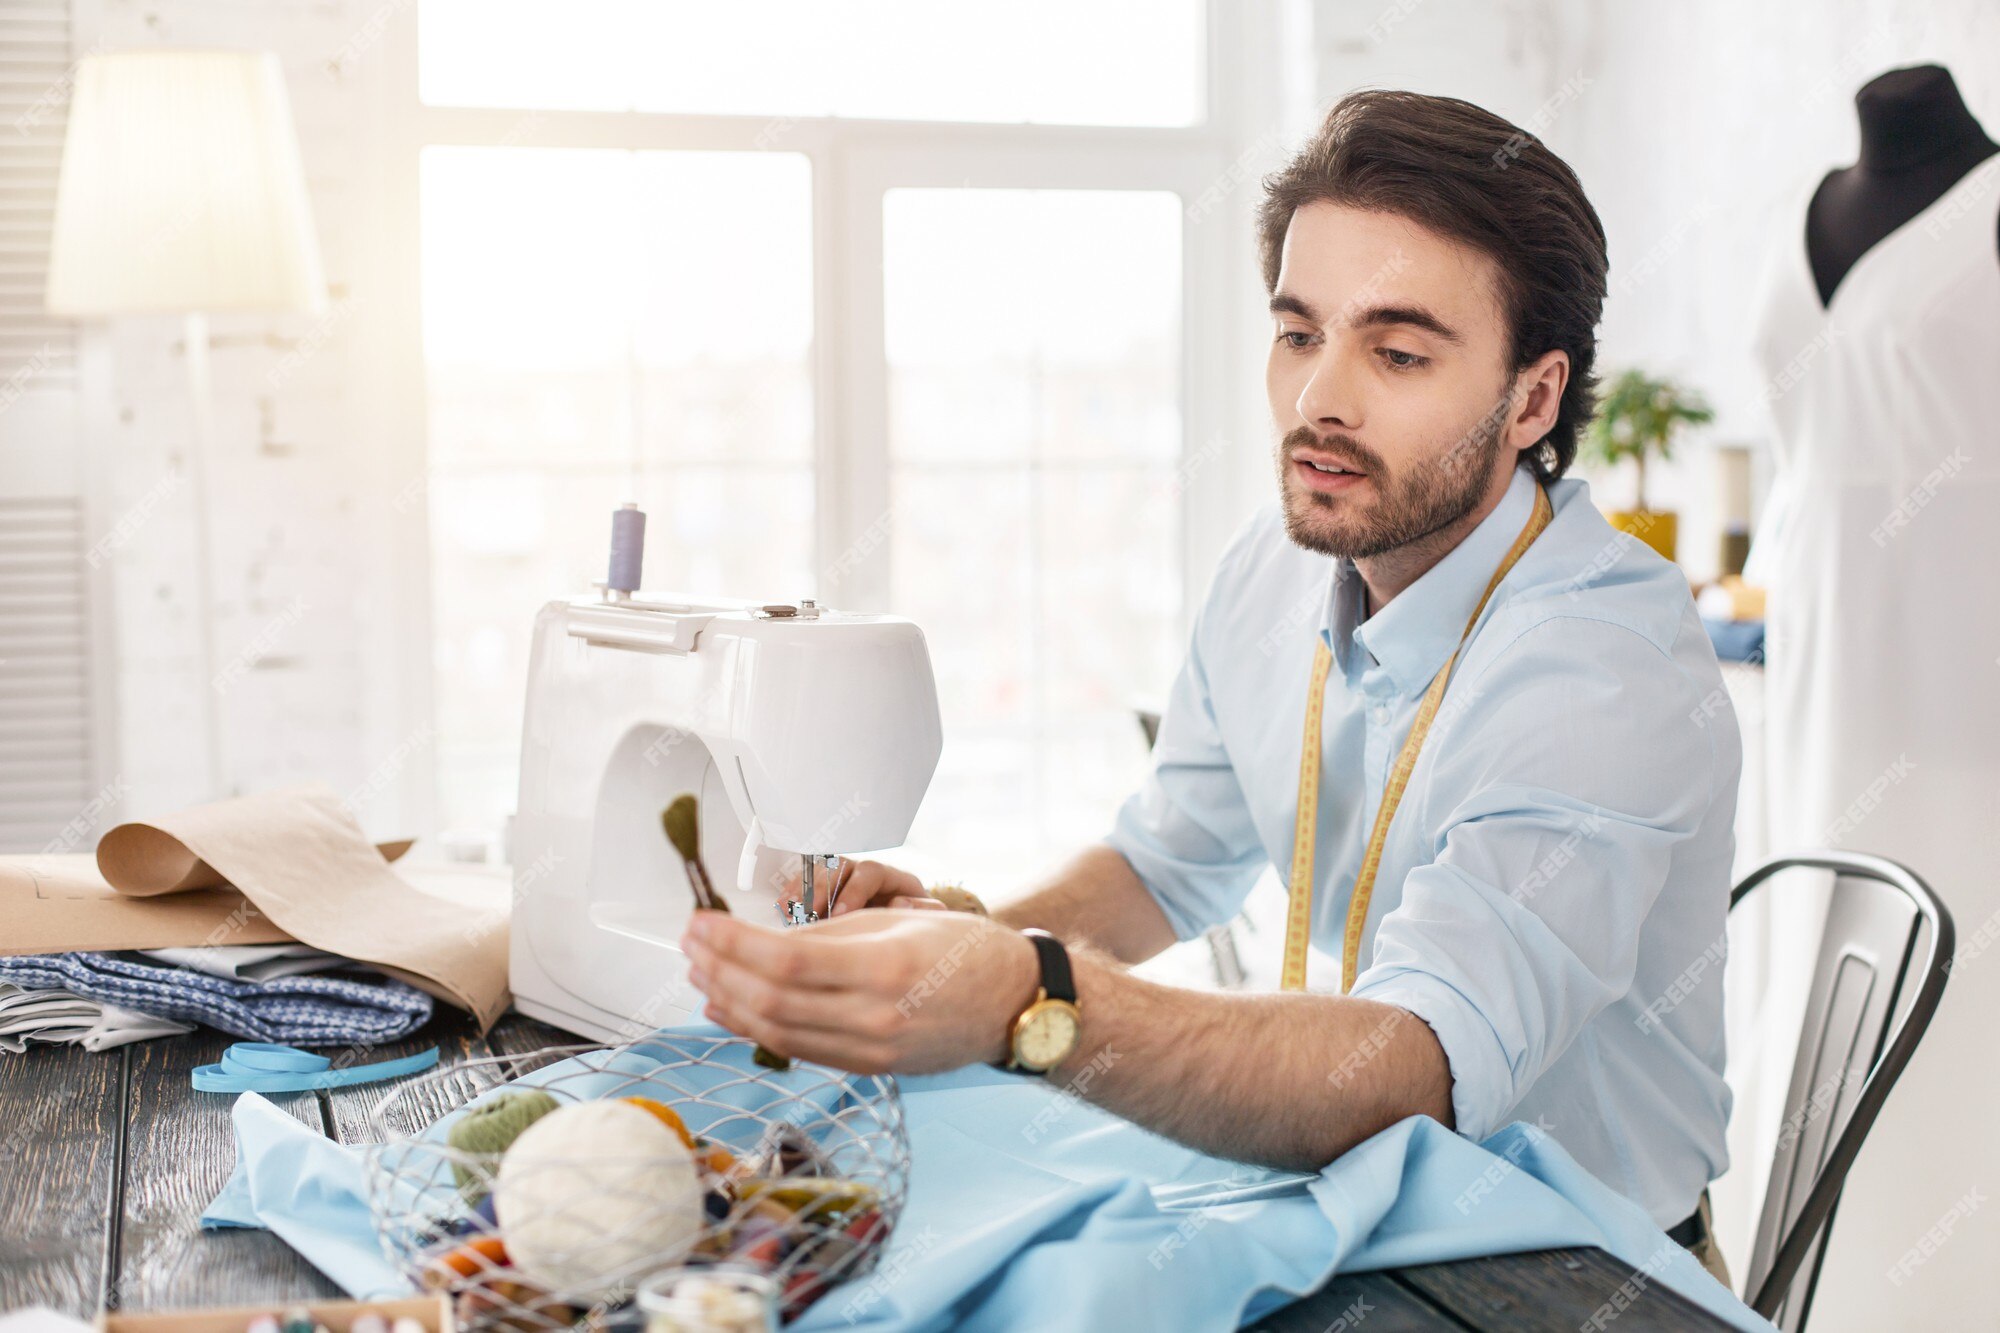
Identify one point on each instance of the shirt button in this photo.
(1380, 715)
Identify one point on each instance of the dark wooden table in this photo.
(107, 1161)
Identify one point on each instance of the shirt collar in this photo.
(1415, 632)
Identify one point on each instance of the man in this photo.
(1551, 884)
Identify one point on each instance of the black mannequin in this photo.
(1917, 141)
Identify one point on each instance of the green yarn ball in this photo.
(489, 1129)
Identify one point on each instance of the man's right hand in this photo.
(869, 884)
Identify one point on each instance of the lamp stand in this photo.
(202, 402)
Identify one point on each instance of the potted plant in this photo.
(1639, 419)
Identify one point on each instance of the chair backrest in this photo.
(1865, 1013)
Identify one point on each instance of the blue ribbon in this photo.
(262, 1066)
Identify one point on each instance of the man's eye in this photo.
(1295, 339)
(1403, 360)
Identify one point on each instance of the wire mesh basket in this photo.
(800, 1174)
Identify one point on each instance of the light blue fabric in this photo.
(311, 1191)
(1031, 1209)
(1552, 896)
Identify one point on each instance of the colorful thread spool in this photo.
(489, 1129)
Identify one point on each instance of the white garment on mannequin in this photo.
(1881, 553)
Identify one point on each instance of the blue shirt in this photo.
(1553, 892)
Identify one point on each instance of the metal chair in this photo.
(1865, 1013)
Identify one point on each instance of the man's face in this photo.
(1388, 361)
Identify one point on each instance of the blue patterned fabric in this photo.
(297, 1011)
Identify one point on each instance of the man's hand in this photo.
(871, 992)
(859, 884)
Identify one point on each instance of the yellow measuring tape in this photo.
(1298, 913)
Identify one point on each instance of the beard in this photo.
(1426, 496)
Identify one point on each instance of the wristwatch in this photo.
(1047, 1031)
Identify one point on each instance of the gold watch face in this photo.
(1046, 1034)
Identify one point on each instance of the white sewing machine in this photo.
(806, 734)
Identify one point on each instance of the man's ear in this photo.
(1538, 389)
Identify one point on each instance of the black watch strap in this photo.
(1056, 979)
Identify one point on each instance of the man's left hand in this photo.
(871, 992)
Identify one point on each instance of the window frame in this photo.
(853, 163)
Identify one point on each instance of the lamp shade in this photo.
(181, 189)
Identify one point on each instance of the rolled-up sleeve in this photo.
(1556, 819)
(1187, 831)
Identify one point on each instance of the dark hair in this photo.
(1465, 173)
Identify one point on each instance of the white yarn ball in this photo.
(593, 1190)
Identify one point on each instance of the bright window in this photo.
(1082, 62)
(1034, 408)
(602, 327)
(933, 367)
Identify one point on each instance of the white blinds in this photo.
(45, 723)
(47, 781)
(36, 68)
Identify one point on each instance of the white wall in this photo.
(312, 515)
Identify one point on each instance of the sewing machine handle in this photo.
(642, 628)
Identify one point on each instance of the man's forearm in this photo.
(1095, 898)
(1286, 1080)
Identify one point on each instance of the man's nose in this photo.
(1330, 399)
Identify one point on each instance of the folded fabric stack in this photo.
(258, 997)
(60, 1016)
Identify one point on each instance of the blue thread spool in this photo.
(628, 548)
